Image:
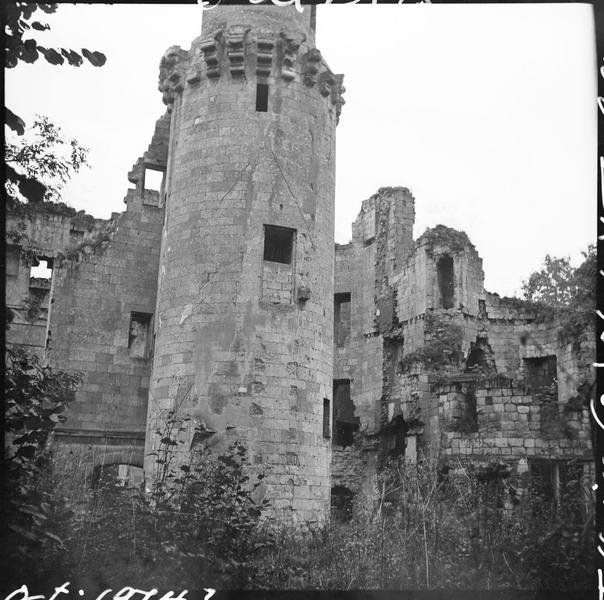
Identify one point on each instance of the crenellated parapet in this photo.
(240, 52)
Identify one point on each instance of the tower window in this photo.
(278, 244)
(326, 423)
(261, 97)
(444, 269)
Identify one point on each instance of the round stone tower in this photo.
(244, 318)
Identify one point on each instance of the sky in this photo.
(487, 113)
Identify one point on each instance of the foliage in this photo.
(44, 157)
(453, 240)
(197, 524)
(424, 527)
(35, 398)
(558, 283)
(19, 21)
(442, 348)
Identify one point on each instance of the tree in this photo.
(558, 283)
(45, 161)
(35, 398)
(19, 20)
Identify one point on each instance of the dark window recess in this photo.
(541, 372)
(138, 337)
(480, 359)
(341, 319)
(313, 18)
(278, 244)
(444, 270)
(368, 241)
(345, 422)
(341, 503)
(326, 423)
(261, 97)
(492, 486)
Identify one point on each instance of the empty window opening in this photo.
(480, 358)
(541, 373)
(43, 270)
(326, 423)
(138, 337)
(345, 422)
(278, 244)
(261, 97)
(153, 179)
(341, 320)
(341, 503)
(444, 269)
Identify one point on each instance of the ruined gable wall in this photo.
(45, 231)
(111, 274)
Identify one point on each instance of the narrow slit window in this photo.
(326, 423)
(278, 244)
(261, 97)
(444, 268)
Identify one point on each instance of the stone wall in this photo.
(244, 330)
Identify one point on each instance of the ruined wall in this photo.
(244, 336)
(382, 238)
(97, 314)
(37, 234)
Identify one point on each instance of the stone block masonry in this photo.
(245, 289)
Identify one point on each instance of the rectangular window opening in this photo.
(261, 97)
(153, 179)
(341, 320)
(278, 244)
(346, 424)
(326, 423)
(43, 270)
(541, 373)
(138, 335)
(446, 281)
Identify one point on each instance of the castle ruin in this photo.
(221, 294)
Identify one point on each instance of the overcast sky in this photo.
(487, 113)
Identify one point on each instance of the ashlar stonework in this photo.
(222, 296)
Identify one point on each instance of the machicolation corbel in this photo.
(210, 50)
(289, 44)
(236, 49)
